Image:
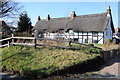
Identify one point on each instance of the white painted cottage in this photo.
(92, 28)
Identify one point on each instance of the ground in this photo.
(112, 66)
(110, 69)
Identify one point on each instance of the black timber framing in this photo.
(82, 36)
(92, 37)
(103, 38)
(87, 37)
(97, 37)
(78, 36)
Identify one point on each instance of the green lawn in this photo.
(42, 61)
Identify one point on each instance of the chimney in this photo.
(73, 15)
(38, 18)
(48, 17)
(108, 11)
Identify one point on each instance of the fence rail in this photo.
(15, 43)
(5, 39)
(34, 42)
(23, 37)
(69, 42)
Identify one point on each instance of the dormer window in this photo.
(70, 31)
(44, 30)
(61, 31)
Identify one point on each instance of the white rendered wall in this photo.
(108, 32)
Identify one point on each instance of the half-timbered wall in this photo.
(81, 37)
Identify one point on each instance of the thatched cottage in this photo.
(4, 29)
(92, 28)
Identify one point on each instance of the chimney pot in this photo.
(73, 15)
(48, 17)
(38, 18)
(108, 10)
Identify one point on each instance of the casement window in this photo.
(95, 34)
(61, 31)
(44, 30)
(40, 35)
(70, 31)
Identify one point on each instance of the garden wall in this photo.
(107, 55)
(90, 65)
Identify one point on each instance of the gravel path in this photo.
(112, 66)
(109, 71)
(7, 76)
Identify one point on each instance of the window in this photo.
(40, 35)
(95, 41)
(70, 31)
(76, 39)
(61, 31)
(44, 30)
(95, 34)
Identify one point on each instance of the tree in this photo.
(8, 8)
(24, 23)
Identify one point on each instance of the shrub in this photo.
(108, 41)
(6, 36)
(92, 50)
(23, 34)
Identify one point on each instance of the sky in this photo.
(64, 9)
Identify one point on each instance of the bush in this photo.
(108, 41)
(92, 50)
(23, 34)
(6, 36)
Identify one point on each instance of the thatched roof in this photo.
(4, 27)
(87, 23)
(2, 23)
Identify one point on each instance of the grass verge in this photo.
(42, 61)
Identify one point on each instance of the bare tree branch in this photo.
(9, 8)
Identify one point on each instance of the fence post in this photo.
(12, 38)
(34, 41)
(8, 44)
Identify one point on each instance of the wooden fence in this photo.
(18, 43)
(8, 42)
(34, 42)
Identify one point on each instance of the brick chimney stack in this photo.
(108, 11)
(48, 17)
(73, 15)
(39, 18)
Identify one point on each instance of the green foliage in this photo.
(23, 34)
(24, 23)
(92, 50)
(6, 36)
(41, 61)
(108, 41)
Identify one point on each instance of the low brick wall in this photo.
(107, 55)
